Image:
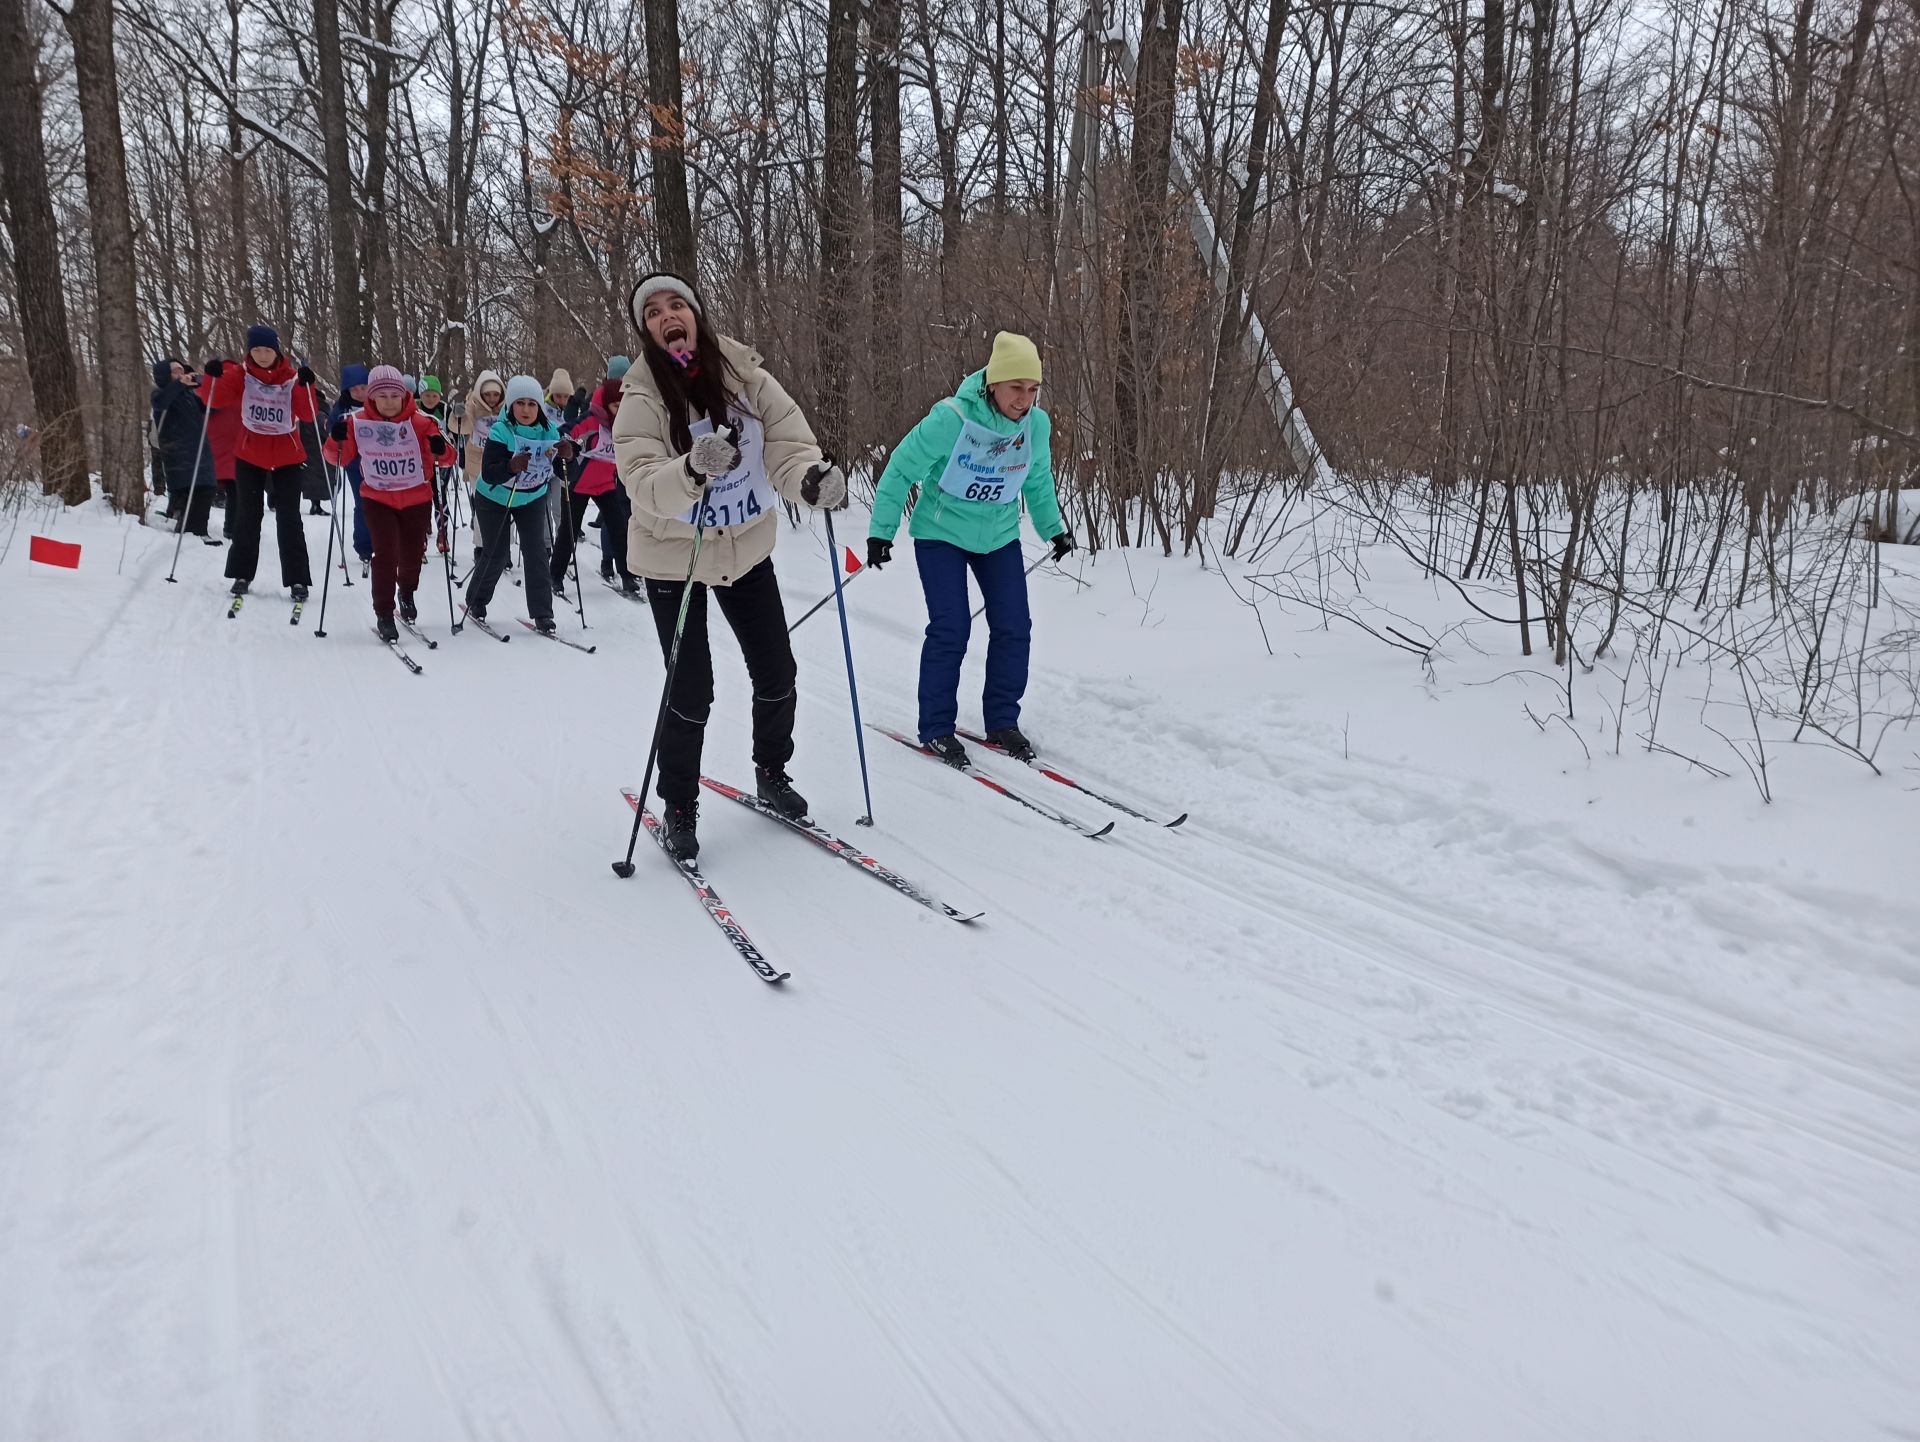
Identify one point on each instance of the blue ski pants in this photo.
(1003, 585)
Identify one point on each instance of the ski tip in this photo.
(965, 918)
(1096, 835)
(1179, 820)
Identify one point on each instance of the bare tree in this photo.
(38, 294)
(89, 27)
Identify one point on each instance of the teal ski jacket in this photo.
(921, 458)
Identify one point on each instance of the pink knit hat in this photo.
(386, 378)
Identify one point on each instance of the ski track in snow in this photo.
(347, 1094)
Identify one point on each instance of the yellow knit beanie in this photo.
(1015, 358)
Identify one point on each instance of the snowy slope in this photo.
(1429, 1084)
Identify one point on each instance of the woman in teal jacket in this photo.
(516, 467)
(975, 457)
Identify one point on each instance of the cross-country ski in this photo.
(709, 899)
(1047, 769)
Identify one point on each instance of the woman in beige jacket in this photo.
(708, 444)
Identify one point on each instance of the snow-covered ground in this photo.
(1437, 1081)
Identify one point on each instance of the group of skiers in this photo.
(685, 455)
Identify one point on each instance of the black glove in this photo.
(437, 444)
(1062, 544)
(305, 375)
(519, 461)
(567, 450)
(214, 368)
(339, 431)
(879, 552)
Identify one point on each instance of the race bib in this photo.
(744, 493)
(987, 467)
(602, 447)
(539, 450)
(389, 454)
(267, 410)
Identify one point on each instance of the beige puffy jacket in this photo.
(659, 545)
(474, 443)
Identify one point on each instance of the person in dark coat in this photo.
(179, 441)
(315, 483)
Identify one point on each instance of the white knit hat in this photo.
(652, 285)
(522, 388)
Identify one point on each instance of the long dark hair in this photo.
(704, 388)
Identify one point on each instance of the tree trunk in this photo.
(1134, 389)
(883, 96)
(1221, 422)
(349, 312)
(36, 264)
(837, 215)
(667, 125)
(89, 26)
(237, 173)
(383, 324)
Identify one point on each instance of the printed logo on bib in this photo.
(389, 454)
(987, 467)
(267, 410)
(744, 493)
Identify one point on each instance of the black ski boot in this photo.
(680, 821)
(630, 584)
(239, 588)
(388, 631)
(1009, 740)
(559, 585)
(408, 612)
(776, 789)
(949, 750)
(545, 626)
(299, 592)
(476, 610)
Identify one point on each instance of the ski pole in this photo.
(180, 531)
(819, 604)
(326, 580)
(853, 690)
(573, 538)
(624, 868)
(446, 552)
(333, 521)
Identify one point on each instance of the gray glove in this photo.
(824, 486)
(715, 453)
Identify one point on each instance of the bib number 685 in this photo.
(986, 490)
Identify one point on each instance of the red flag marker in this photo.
(853, 561)
(53, 553)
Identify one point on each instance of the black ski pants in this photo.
(496, 525)
(251, 486)
(753, 609)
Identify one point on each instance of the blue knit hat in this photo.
(618, 366)
(351, 376)
(263, 335)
